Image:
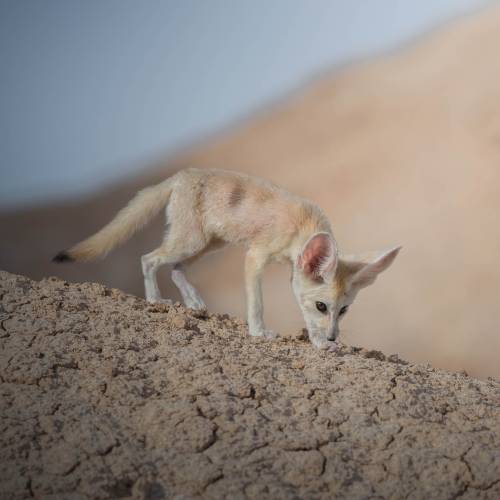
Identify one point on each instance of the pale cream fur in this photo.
(207, 209)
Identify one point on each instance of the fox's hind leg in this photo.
(190, 295)
(185, 241)
(150, 264)
(180, 245)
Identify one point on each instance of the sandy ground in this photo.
(105, 396)
(401, 149)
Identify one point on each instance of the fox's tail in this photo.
(139, 211)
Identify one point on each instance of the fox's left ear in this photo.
(368, 273)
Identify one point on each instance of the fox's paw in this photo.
(265, 334)
(270, 335)
(197, 304)
(167, 302)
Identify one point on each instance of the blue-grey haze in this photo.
(92, 90)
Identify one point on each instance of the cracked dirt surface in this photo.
(105, 396)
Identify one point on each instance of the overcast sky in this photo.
(92, 90)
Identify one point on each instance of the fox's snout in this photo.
(333, 334)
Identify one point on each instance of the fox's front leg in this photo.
(254, 265)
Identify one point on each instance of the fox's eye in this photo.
(343, 310)
(321, 307)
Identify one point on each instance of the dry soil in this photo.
(105, 396)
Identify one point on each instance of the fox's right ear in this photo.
(318, 258)
(369, 271)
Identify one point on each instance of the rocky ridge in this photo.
(105, 396)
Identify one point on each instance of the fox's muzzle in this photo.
(333, 334)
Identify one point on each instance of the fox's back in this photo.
(239, 208)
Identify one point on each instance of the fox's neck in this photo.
(306, 220)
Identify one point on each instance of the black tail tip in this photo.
(62, 257)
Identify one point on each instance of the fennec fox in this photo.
(207, 209)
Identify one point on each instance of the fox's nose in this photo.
(333, 334)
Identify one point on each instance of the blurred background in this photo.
(387, 114)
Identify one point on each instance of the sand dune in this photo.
(404, 149)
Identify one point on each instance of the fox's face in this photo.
(325, 285)
(323, 306)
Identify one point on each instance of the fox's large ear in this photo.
(370, 270)
(318, 259)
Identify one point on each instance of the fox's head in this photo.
(326, 285)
